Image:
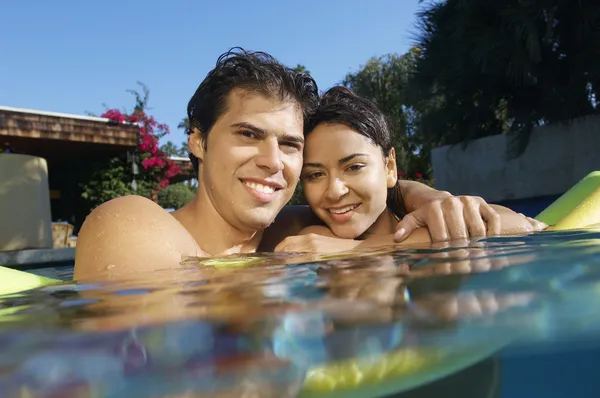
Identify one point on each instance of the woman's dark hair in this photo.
(253, 71)
(340, 105)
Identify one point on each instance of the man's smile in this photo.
(263, 190)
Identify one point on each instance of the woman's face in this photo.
(345, 177)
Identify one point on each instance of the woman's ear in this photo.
(196, 144)
(392, 172)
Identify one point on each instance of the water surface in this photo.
(504, 317)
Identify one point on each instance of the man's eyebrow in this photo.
(283, 136)
(341, 161)
(249, 126)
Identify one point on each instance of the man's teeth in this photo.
(260, 187)
(343, 209)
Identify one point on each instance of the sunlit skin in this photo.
(346, 177)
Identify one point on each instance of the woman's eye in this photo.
(313, 176)
(355, 167)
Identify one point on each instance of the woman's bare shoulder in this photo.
(130, 234)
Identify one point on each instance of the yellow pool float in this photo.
(579, 207)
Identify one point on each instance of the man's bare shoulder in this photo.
(129, 234)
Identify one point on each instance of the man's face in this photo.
(253, 159)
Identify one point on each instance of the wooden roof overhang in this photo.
(186, 169)
(55, 135)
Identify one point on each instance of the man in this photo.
(246, 143)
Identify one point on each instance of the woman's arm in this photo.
(320, 239)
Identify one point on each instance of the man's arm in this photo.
(446, 216)
(415, 194)
(128, 235)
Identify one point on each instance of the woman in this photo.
(350, 179)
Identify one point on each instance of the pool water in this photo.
(497, 317)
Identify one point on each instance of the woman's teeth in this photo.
(260, 187)
(343, 209)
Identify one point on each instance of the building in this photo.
(72, 146)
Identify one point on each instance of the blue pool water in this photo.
(499, 317)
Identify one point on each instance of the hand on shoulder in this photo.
(462, 217)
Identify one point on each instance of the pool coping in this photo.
(37, 258)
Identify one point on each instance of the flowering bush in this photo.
(114, 178)
(153, 160)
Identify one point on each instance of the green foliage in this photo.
(176, 196)
(301, 69)
(491, 67)
(144, 171)
(112, 180)
(298, 197)
(171, 149)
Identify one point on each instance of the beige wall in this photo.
(557, 157)
(25, 221)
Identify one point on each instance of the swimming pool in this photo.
(503, 317)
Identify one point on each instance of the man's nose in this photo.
(336, 189)
(270, 156)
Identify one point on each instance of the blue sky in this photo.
(73, 56)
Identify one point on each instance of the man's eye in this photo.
(291, 146)
(248, 133)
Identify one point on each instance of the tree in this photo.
(184, 124)
(494, 67)
(171, 149)
(301, 69)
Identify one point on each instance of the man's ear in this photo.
(392, 172)
(196, 144)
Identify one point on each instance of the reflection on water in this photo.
(402, 323)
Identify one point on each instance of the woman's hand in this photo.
(315, 243)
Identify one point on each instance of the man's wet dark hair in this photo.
(341, 105)
(256, 72)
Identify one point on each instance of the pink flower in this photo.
(172, 170)
(114, 115)
(149, 143)
(401, 173)
(152, 162)
(147, 163)
(419, 175)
